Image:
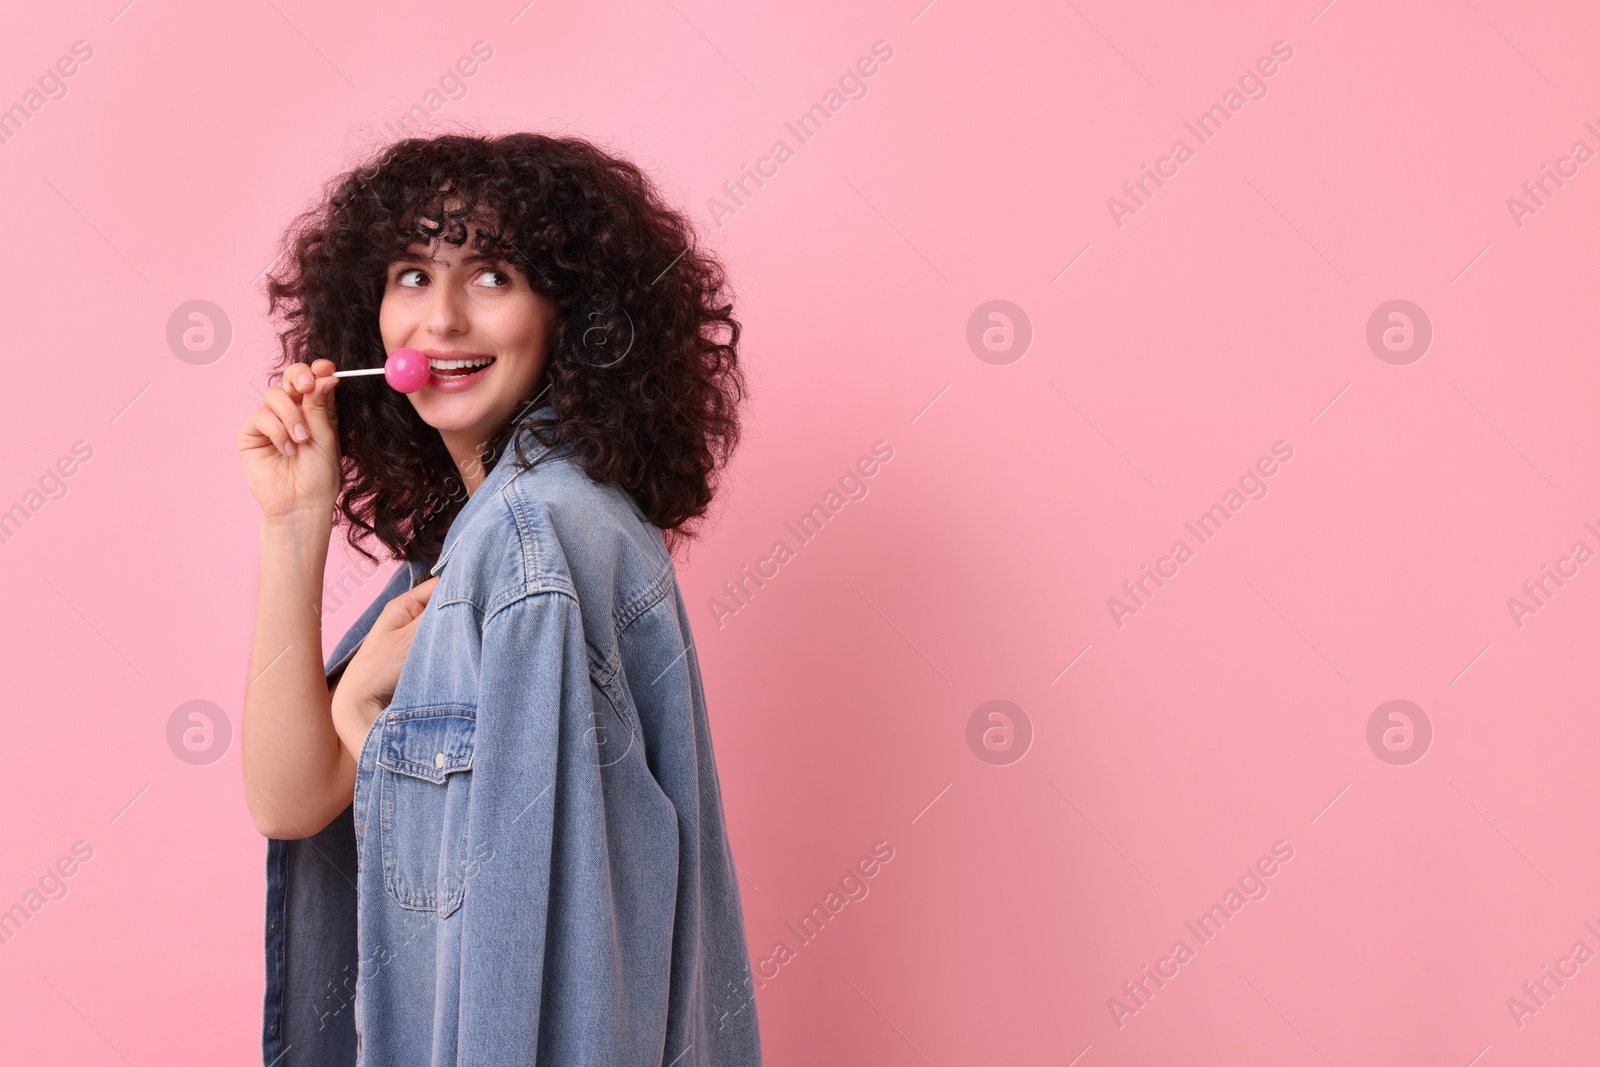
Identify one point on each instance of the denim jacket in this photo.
(535, 869)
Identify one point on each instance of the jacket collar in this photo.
(504, 469)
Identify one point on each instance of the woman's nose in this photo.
(446, 310)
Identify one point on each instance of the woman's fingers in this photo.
(420, 595)
(289, 412)
(264, 424)
(295, 381)
(406, 608)
(319, 407)
(303, 385)
(416, 598)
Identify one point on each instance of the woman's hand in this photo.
(289, 446)
(367, 685)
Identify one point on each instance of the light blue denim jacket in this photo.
(542, 873)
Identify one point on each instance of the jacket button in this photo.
(438, 761)
(274, 926)
(274, 1030)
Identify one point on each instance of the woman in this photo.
(495, 827)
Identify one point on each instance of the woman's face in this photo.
(486, 334)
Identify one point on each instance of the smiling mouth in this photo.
(458, 368)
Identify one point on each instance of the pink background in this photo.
(1228, 313)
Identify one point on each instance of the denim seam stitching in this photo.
(645, 600)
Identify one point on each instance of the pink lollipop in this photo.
(406, 370)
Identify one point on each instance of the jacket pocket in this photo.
(425, 779)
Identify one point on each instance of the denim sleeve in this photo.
(567, 919)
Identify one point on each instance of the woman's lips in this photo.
(455, 381)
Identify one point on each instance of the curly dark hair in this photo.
(591, 232)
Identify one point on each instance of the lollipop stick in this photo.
(405, 369)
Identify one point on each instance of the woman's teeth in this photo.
(451, 366)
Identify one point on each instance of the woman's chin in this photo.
(461, 419)
(478, 411)
(449, 415)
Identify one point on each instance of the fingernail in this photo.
(300, 433)
(288, 448)
(305, 381)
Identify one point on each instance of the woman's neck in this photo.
(468, 456)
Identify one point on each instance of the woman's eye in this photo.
(496, 279)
